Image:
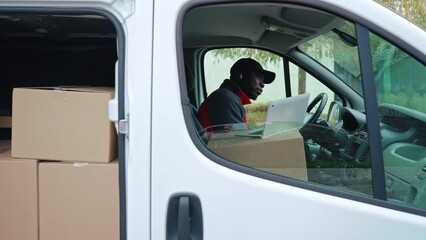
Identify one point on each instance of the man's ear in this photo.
(238, 77)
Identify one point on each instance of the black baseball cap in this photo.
(248, 64)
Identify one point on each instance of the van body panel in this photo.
(162, 160)
(236, 205)
(121, 8)
(138, 110)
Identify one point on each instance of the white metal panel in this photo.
(235, 205)
(121, 8)
(138, 92)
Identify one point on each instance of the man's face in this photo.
(252, 85)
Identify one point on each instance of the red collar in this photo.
(243, 97)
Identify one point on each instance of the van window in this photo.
(332, 146)
(310, 155)
(217, 65)
(401, 88)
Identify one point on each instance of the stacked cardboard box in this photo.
(18, 196)
(78, 201)
(67, 130)
(67, 124)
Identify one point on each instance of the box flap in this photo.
(225, 140)
(75, 88)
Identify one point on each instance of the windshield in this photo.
(398, 76)
(337, 51)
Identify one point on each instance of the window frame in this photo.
(372, 112)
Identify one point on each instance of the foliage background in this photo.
(413, 10)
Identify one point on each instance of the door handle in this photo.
(184, 218)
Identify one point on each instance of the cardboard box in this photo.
(70, 124)
(79, 201)
(283, 154)
(18, 196)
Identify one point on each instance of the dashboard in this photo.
(343, 144)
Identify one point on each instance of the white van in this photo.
(356, 169)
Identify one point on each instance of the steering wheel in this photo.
(322, 100)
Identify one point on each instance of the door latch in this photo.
(123, 126)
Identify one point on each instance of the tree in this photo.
(413, 10)
(263, 57)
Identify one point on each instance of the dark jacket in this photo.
(224, 107)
